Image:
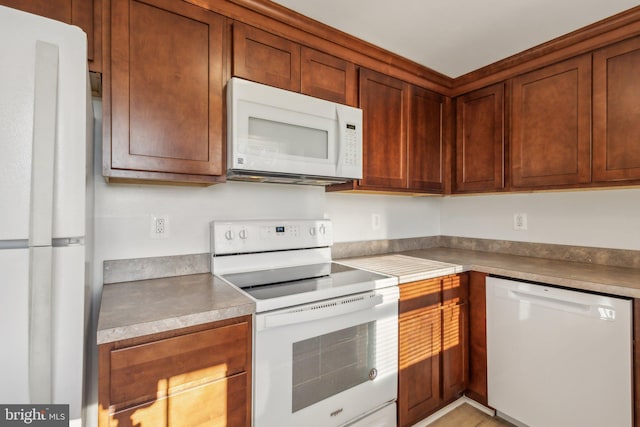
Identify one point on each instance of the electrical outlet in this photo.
(520, 221)
(159, 226)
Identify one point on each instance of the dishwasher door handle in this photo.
(557, 302)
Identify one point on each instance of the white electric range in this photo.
(325, 334)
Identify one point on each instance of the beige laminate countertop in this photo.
(137, 308)
(143, 307)
(589, 277)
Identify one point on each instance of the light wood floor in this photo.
(467, 416)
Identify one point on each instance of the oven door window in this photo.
(326, 365)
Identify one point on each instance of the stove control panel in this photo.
(236, 237)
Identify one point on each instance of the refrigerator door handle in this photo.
(41, 222)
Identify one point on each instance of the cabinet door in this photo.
(76, 12)
(425, 140)
(454, 350)
(477, 382)
(265, 58)
(382, 99)
(551, 114)
(455, 335)
(221, 403)
(616, 112)
(480, 140)
(166, 91)
(419, 376)
(419, 344)
(327, 77)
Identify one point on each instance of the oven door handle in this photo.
(320, 310)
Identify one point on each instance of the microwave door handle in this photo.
(341, 139)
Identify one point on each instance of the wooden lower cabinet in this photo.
(432, 346)
(195, 377)
(477, 381)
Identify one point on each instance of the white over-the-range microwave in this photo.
(275, 135)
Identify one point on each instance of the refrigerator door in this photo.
(14, 325)
(19, 32)
(68, 326)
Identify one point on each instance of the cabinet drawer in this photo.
(220, 403)
(419, 294)
(455, 289)
(149, 371)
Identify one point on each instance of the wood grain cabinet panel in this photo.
(217, 404)
(327, 77)
(265, 58)
(550, 132)
(419, 340)
(75, 12)
(477, 381)
(425, 140)
(186, 378)
(480, 144)
(383, 102)
(166, 92)
(432, 342)
(616, 112)
(455, 336)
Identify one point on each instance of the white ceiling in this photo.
(455, 37)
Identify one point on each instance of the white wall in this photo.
(604, 218)
(123, 220)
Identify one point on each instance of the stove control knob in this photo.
(373, 373)
(323, 229)
(312, 231)
(228, 235)
(243, 234)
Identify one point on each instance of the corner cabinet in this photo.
(480, 142)
(403, 142)
(551, 126)
(163, 92)
(200, 377)
(616, 112)
(432, 346)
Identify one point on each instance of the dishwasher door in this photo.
(558, 358)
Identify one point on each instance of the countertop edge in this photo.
(110, 335)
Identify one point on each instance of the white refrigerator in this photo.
(45, 200)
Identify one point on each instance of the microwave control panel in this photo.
(351, 152)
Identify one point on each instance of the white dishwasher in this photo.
(557, 357)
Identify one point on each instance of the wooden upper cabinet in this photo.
(166, 92)
(425, 140)
(550, 132)
(480, 145)
(75, 12)
(384, 106)
(616, 112)
(327, 77)
(265, 58)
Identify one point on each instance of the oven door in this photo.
(325, 364)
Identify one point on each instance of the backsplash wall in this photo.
(598, 218)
